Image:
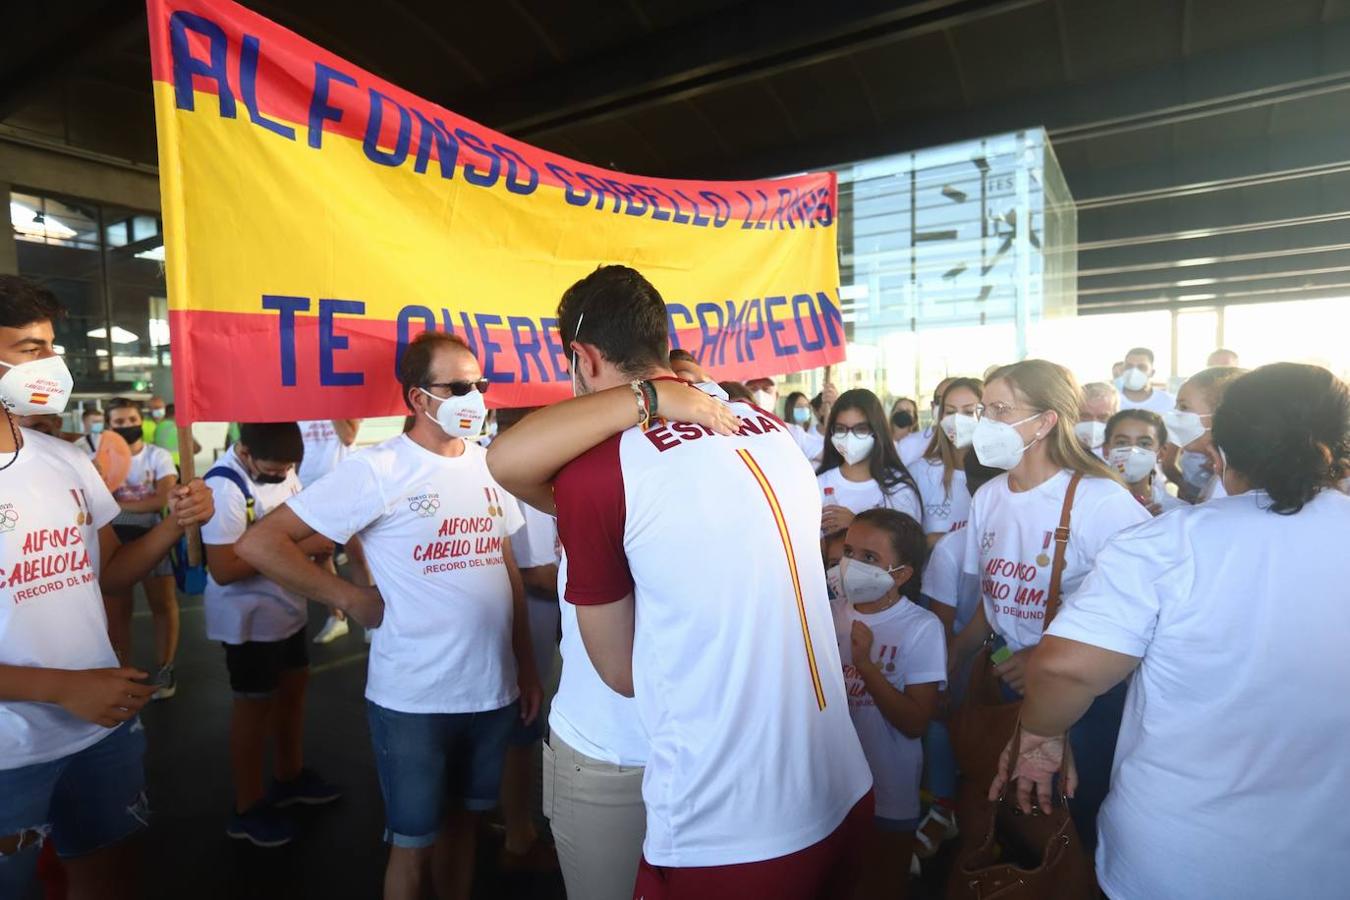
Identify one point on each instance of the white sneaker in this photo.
(333, 629)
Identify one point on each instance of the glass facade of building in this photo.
(105, 263)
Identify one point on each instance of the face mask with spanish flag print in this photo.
(460, 417)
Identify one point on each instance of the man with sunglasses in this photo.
(451, 665)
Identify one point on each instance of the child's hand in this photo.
(861, 638)
(835, 518)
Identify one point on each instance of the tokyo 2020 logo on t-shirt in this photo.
(425, 504)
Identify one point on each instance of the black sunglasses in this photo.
(460, 388)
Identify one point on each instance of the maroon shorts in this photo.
(826, 870)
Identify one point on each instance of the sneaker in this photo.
(306, 788)
(261, 826)
(165, 684)
(937, 827)
(333, 629)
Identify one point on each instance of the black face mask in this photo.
(130, 433)
(264, 478)
(902, 419)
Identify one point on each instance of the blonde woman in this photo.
(1026, 427)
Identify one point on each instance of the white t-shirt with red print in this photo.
(51, 609)
(148, 466)
(434, 529)
(1010, 545)
(736, 673)
(909, 646)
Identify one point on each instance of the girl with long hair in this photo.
(860, 469)
(940, 472)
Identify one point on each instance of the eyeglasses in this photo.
(1002, 412)
(862, 429)
(460, 388)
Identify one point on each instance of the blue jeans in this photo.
(429, 763)
(84, 802)
(1093, 740)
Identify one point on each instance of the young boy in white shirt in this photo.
(261, 625)
(71, 744)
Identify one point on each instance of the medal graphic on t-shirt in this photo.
(80, 515)
(494, 507)
(890, 663)
(1043, 558)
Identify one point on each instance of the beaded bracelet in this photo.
(640, 395)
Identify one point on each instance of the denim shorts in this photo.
(83, 802)
(431, 763)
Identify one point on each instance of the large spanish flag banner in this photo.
(317, 218)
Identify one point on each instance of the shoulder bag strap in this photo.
(1052, 602)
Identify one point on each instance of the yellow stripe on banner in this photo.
(264, 215)
(781, 521)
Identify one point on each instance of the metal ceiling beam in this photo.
(1297, 59)
(744, 42)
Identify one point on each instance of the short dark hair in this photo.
(908, 543)
(122, 403)
(23, 302)
(683, 355)
(414, 366)
(1148, 417)
(168, 410)
(1286, 429)
(623, 316)
(1141, 351)
(91, 411)
(737, 391)
(273, 441)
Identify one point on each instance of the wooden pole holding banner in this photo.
(187, 468)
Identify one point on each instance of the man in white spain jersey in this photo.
(692, 564)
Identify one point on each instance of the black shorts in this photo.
(255, 667)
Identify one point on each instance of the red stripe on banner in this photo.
(226, 60)
(276, 368)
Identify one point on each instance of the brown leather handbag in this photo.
(1025, 857)
(1003, 853)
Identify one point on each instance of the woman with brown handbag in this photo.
(1232, 615)
(1053, 487)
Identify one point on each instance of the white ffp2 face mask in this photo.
(36, 388)
(460, 417)
(1133, 379)
(863, 582)
(998, 444)
(960, 429)
(1090, 434)
(853, 448)
(1134, 463)
(1183, 428)
(763, 399)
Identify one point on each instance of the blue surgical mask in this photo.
(95, 427)
(801, 414)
